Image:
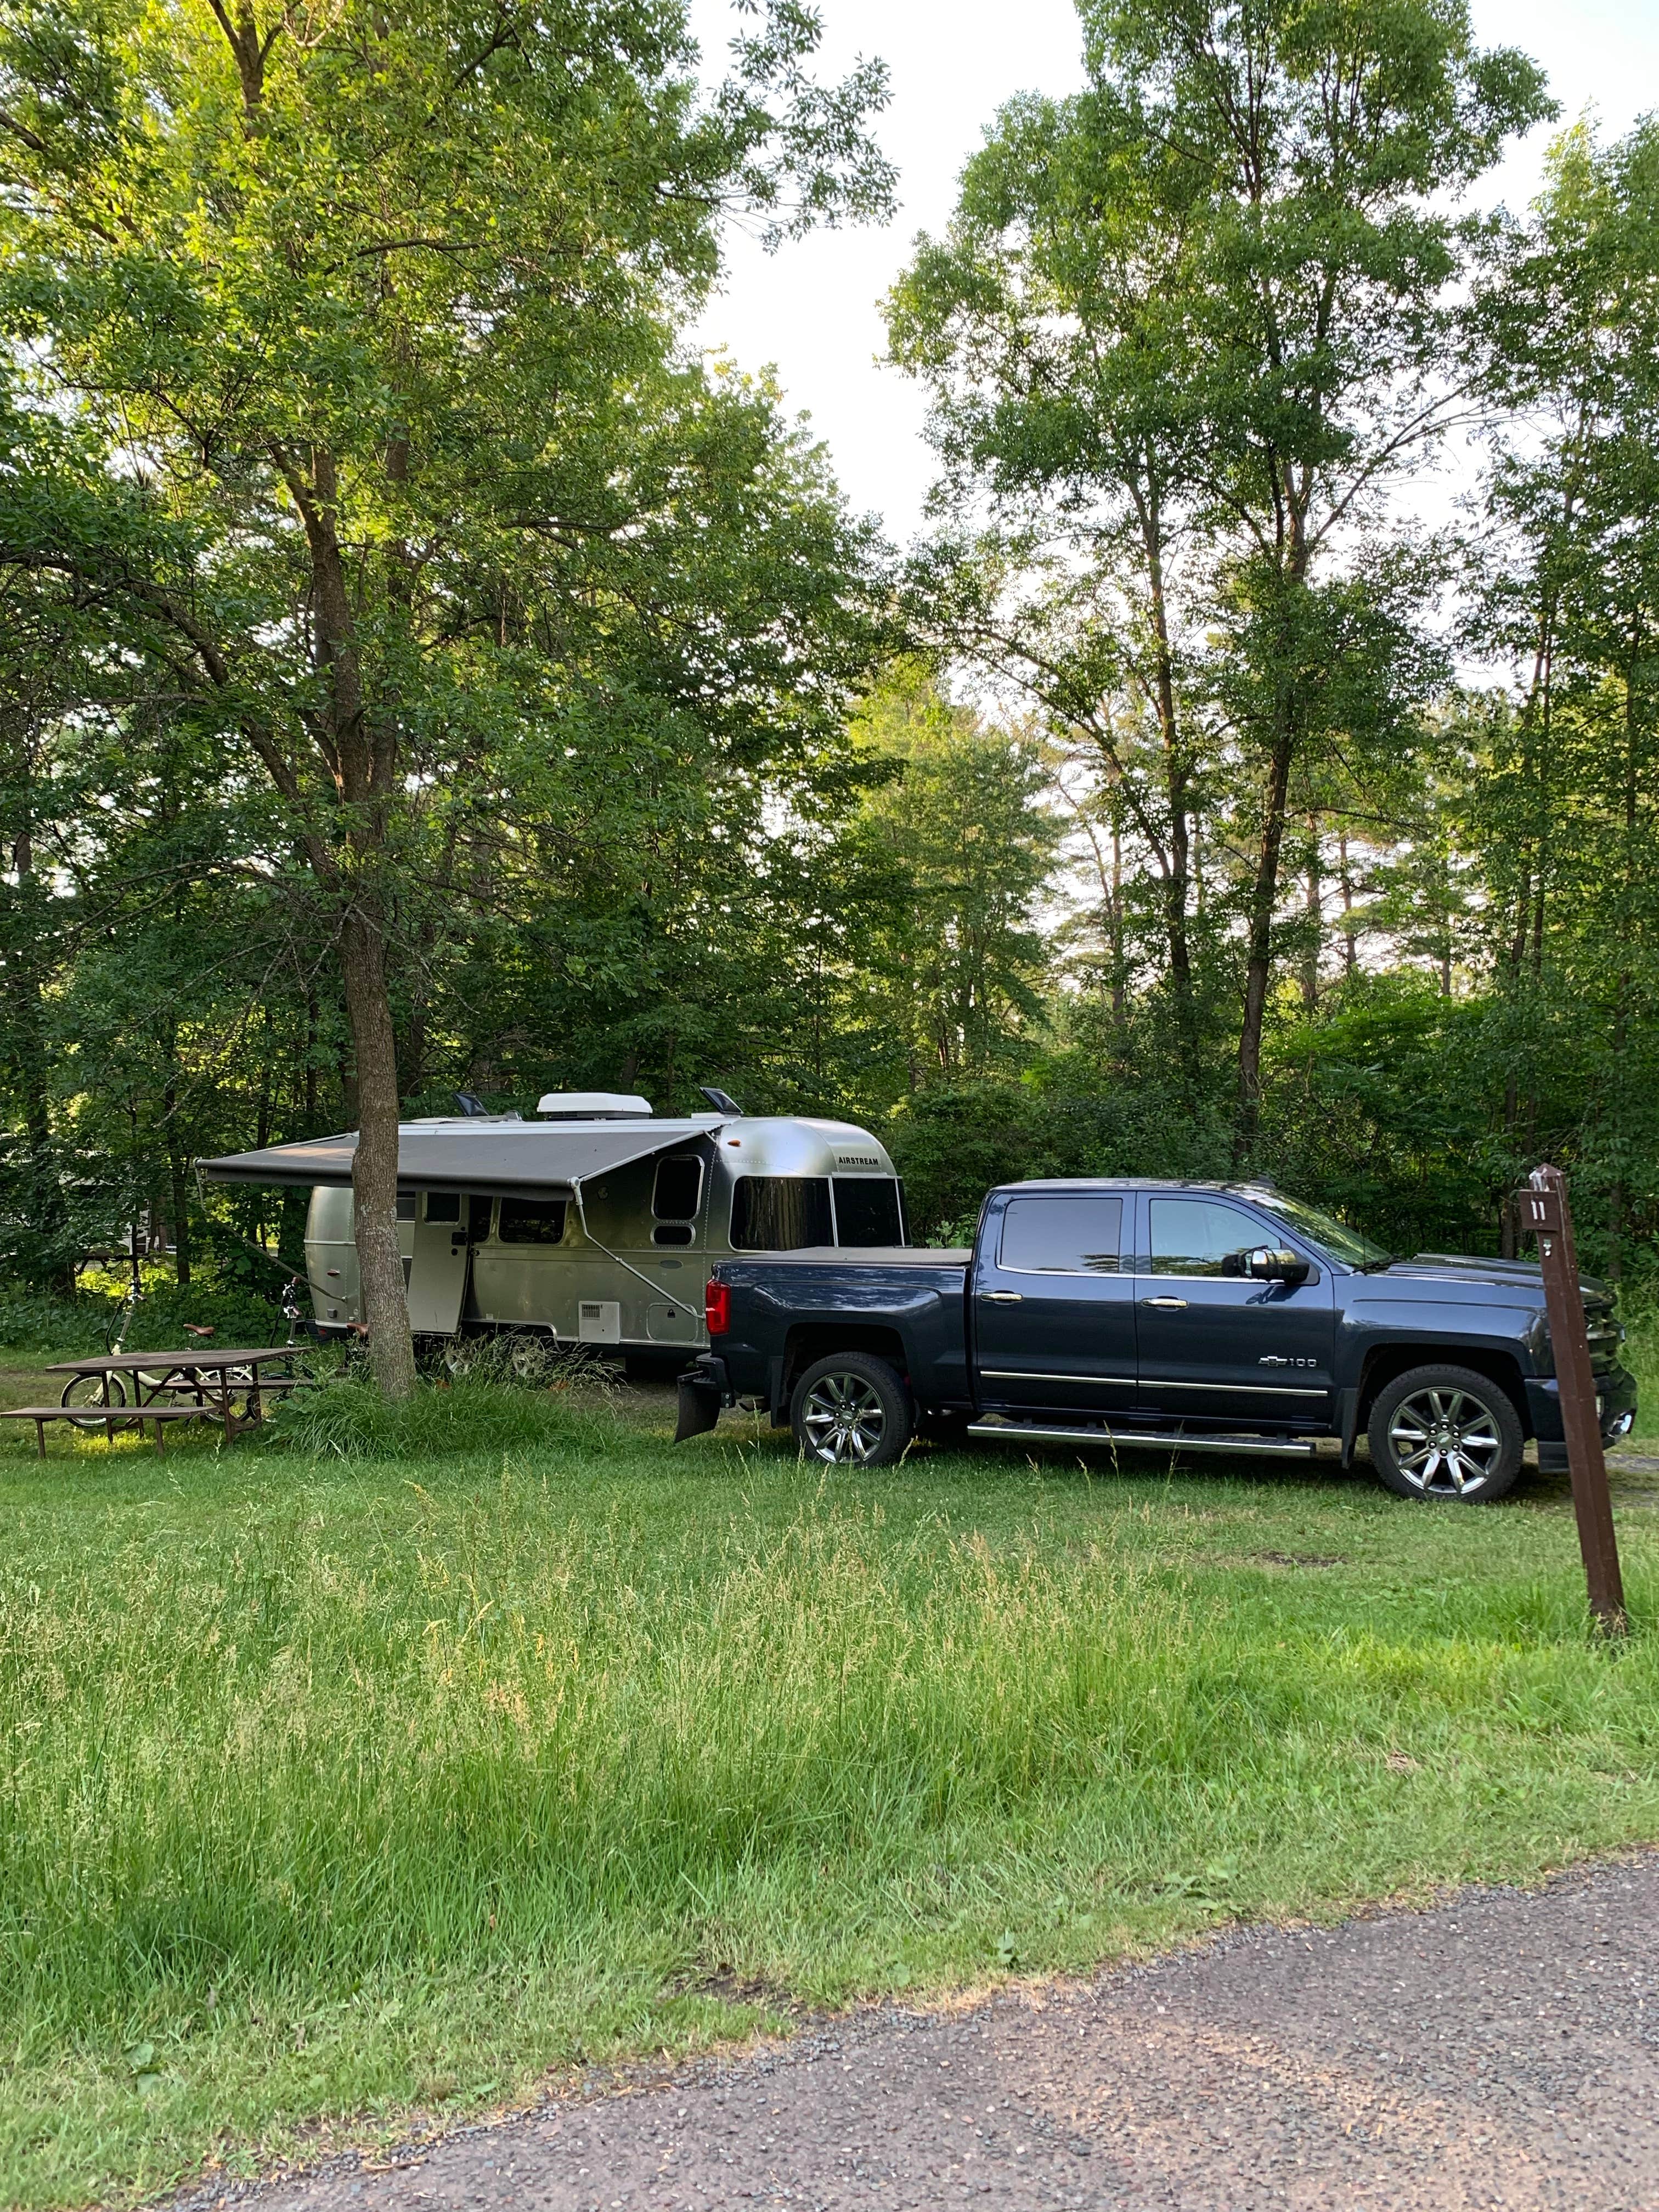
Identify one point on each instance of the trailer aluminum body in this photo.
(593, 1228)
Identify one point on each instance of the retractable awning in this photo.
(516, 1158)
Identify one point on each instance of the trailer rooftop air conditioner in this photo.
(594, 1106)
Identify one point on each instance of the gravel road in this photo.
(1503, 2050)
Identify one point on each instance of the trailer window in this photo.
(532, 1221)
(868, 1211)
(780, 1214)
(407, 1202)
(443, 1206)
(675, 1198)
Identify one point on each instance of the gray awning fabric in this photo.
(517, 1158)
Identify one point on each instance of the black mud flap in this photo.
(1348, 1423)
(700, 1407)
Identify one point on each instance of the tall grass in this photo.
(338, 1781)
(346, 1418)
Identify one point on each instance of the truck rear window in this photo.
(868, 1211)
(1061, 1235)
(780, 1214)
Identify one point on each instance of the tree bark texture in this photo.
(1264, 892)
(375, 1168)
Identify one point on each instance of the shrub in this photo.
(34, 1320)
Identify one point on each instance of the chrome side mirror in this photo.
(1268, 1264)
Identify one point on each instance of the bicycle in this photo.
(101, 1394)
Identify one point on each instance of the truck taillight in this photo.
(717, 1308)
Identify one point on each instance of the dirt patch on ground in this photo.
(1502, 2049)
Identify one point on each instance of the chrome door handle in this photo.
(1169, 1305)
(1004, 1298)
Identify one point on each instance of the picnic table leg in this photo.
(40, 1437)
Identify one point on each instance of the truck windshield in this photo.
(1336, 1238)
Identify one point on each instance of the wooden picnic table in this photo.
(182, 1370)
(197, 1383)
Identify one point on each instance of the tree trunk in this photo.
(178, 1171)
(375, 1169)
(1120, 985)
(1264, 894)
(1315, 912)
(1176, 780)
(182, 1254)
(47, 1212)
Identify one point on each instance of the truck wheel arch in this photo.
(1384, 1361)
(812, 1340)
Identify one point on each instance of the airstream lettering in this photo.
(591, 1222)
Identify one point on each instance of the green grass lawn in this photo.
(336, 1787)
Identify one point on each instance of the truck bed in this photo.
(908, 1302)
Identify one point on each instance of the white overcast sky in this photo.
(812, 310)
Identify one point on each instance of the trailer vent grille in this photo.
(599, 1320)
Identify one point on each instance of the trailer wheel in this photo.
(851, 1410)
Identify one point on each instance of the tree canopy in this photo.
(421, 668)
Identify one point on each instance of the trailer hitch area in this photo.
(702, 1394)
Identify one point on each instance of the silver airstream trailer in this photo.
(592, 1222)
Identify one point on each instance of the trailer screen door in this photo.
(437, 1275)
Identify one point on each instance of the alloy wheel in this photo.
(843, 1419)
(1446, 1443)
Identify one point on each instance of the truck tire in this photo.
(851, 1410)
(1445, 1432)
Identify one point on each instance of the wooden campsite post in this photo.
(1549, 1216)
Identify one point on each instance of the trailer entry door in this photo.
(437, 1277)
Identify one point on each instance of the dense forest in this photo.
(423, 669)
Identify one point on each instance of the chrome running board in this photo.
(1019, 1431)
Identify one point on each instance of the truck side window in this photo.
(1198, 1237)
(1061, 1235)
(675, 1198)
(868, 1211)
(780, 1214)
(532, 1221)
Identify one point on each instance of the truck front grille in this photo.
(1606, 1335)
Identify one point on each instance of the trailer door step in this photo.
(1022, 1432)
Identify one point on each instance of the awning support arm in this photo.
(661, 1289)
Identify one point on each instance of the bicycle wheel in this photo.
(87, 1391)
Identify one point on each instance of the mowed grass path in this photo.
(335, 1788)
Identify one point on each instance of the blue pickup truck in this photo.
(1215, 1317)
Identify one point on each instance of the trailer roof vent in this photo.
(594, 1106)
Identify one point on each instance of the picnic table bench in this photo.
(192, 1385)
